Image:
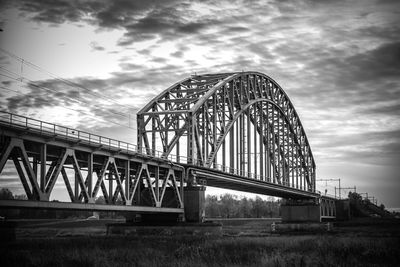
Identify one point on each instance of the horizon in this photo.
(93, 65)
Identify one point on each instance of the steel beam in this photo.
(84, 206)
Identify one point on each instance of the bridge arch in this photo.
(242, 123)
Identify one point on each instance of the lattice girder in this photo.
(213, 116)
(121, 180)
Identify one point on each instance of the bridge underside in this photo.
(29, 204)
(235, 182)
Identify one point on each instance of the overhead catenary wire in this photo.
(79, 111)
(70, 83)
(8, 89)
(32, 83)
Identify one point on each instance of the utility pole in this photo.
(355, 189)
(331, 180)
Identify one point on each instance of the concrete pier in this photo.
(300, 211)
(194, 202)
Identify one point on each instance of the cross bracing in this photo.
(234, 130)
(45, 156)
(241, 123)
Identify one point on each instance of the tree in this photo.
(353, 196)
(100, 200)
(258, 207)
(212, 206)
(5, 193)
(229, 206)
(245, 208)
(21, 197)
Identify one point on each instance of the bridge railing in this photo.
(55, 130)
(46, 128)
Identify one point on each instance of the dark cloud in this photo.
(47, 93)
(237, 29)
(6, 83)
(261, 49)
(120, 13)
(131, 37)
(386, 33)
(364, 81)
(165, 23)
(367, 147)
(178, 54)
(142, 20)
(31, 100)
(58, 11)
(387, 109)
(382, 62)
(130, 66)
(159, 60)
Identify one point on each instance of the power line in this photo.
(21, 78)
(73, 84)
(82, 112)
(32, 83)
(8, 89)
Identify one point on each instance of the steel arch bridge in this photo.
(241, 123)
(237, 131)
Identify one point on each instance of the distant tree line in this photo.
(230, 206)
(224, 206)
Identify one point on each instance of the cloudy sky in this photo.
(93, 64)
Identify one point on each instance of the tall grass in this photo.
(203, 251)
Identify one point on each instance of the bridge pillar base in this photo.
(194, 202)
(300, 211)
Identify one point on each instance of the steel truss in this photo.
(124, 178)
(241, 123)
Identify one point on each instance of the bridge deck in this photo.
(84, 206)
(235, 182)
(36, 130)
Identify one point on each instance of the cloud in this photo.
(96, 47)
(33, 99)
(382, 63)
(338, 61)
(166, 23)
(141, 20)
(391, 108)
(57, 12)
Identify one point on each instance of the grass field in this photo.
(353, 245)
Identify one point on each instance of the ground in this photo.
(249, 242)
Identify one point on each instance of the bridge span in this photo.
(229, 130)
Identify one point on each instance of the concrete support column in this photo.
(308, 210)
(194, 202)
